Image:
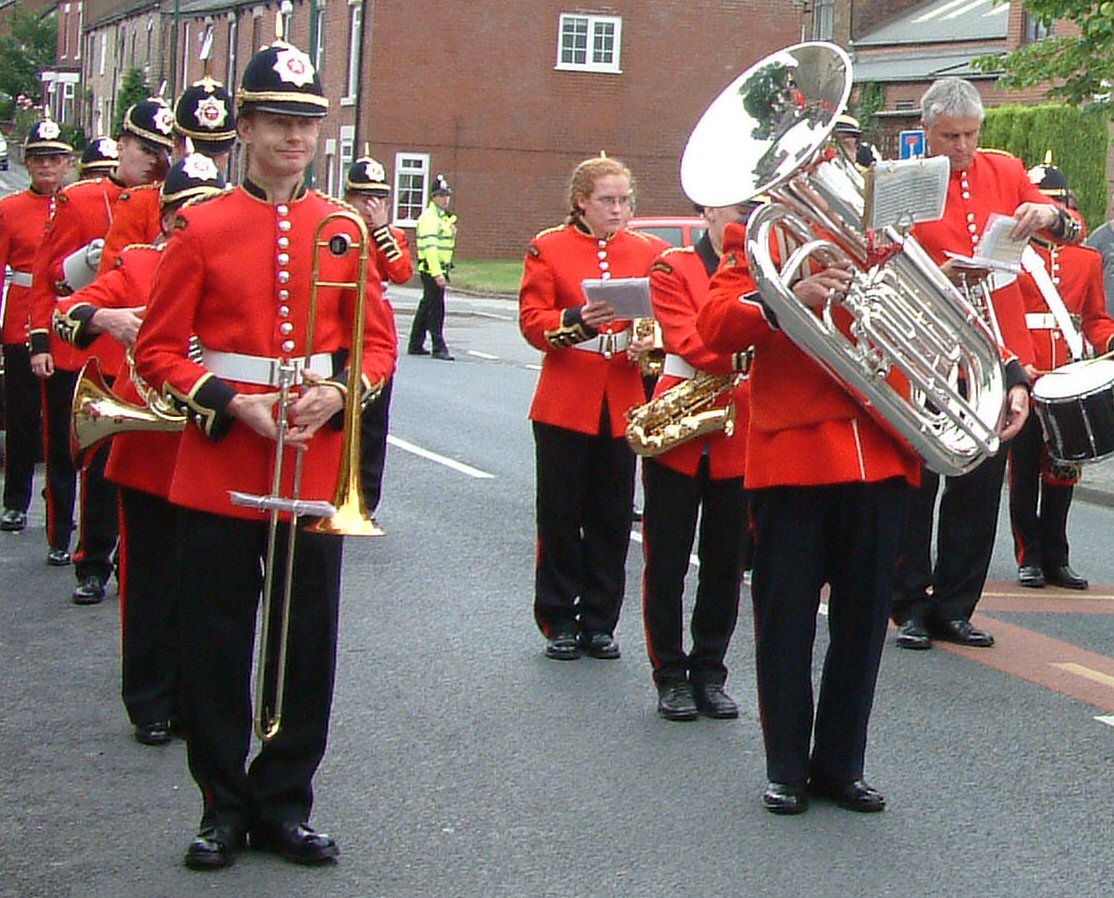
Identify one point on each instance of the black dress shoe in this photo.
(785, 798)
(713, 701)
(443, 354)
(1031, 576)
(961, 631)
(89, 591)
(676, 701)
(297, 842)
(1062, 575)
(853, 795)
(157, 732)
(213, 847)
(913, 634)
(599, 645)
(57, 557)
(562, 646)
(12, 520)
(417, 350)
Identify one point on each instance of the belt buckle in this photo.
(607, 344)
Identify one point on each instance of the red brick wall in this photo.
(474, 86)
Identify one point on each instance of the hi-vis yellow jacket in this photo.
(436, 240)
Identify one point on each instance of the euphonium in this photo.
(768, 132)
(651, 360)
(681, 413)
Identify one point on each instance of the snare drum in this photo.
(1075, 405)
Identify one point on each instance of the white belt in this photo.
(261, 370)
(675, 366)
(21, 278)
(1041, 321)
(607, 344)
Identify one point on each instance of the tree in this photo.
(27, 48)
(133, 89)
(1080, 67)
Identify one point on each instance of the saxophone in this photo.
(682, 413)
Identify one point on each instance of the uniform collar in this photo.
(257, 191)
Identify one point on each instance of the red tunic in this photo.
(23, 216)
(575, 383)
(805, 428)
(141, 461)
(1076, 271)
(237, 274)
(392, 255)
(83, 213)
(137, 218)
(678, 288)
(994, 182)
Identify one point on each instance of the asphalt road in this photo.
(463, 764)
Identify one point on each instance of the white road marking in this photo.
(1108, 719)
(483, 355)
(440, 459)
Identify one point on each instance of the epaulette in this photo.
(155, 246)
(205, 197)
(678, 249)
(546, 231)
(78, 183)
(662, 266)
(994, 151)
(340, 204)
(642, 235)
(126, 194)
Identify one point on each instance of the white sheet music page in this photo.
(995, 249)
(629, 297)
(901, 192)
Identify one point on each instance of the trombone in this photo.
(346, 515)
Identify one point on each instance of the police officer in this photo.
(366, 188)
(23, 217)
(436, 238)
(238, 277)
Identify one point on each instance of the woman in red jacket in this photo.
(589, 378)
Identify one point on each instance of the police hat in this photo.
(1049, 179)
(100, 155)
(848, 124)
(281, 79)
(441, 187)
(193, 176)
(152, 121)
(367, 175)
(204, 113)
(45, 139)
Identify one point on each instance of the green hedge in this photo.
(1076, 137)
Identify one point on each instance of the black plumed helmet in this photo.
(152, 121)
(281, 79)
(441, 187)
(45, 139)
(1048, 179)
(100, 155)
(190, 177)
(205, 114)
(367, 175)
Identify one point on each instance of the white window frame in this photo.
(407, 166)
(346, 151)
(595, 25)
(104, 51)
(322, 29)
(331, 169)
(80, 29)
(233, 36)
(352, 76)
(823, 20)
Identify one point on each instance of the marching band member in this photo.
(1040, 537)
(585, 469)
(67, 260)
(703, 476)
(238, 277)
(141, 465)
(99, 158)
(367, 190)
(23, 216)
(203, 117)
(937, 601)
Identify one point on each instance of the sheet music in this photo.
(629, 297)
(905, 191)
(996, 249)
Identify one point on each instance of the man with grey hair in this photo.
(938, 601)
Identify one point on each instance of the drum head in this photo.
(1075, 380)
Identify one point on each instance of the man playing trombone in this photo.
(241, 277)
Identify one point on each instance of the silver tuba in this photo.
(769, 133)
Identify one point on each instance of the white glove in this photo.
(80, 266)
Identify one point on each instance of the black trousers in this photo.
(374, 425)
(430, 315)
(23, 434)
(585, 488)
(848, 536)
(148, 607)
(99, 522)
(672, 503)
(1038, 509)
(967, 525)
(61, 477)
(220, 563)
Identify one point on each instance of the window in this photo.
(589, 43)
(331, 172)
(65, 29)
(185, 55)
(104, 51)
(233, 31)
(80, 29)
(823, 20)
(319, 56)
(411, 184)
(355, 17)
(1035, 28)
